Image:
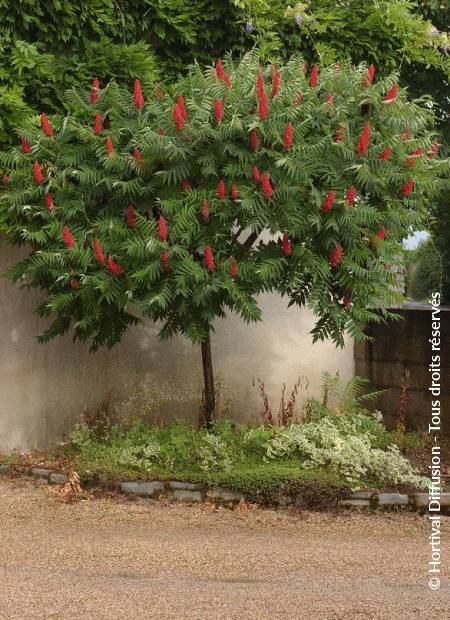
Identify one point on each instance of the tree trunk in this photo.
(209, 405)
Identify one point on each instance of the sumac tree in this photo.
(250, 179)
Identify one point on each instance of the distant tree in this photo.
(254, 178)
(424, 271)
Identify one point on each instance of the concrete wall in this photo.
(44, 388)
(404, 345)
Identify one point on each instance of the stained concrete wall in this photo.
(44, 388)
(404, 346)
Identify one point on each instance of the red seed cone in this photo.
(381, 234)
(186, 186)
(98, 252)
(162, 228)
(93, 96)
(328, 202)
(227, 80)
(350, 195)
(263, 107)
(98, 124)
(386, 154)
(392, 94)
(260, 85)
(138, 97)
(137, 155)
(336, 255)
(218, 111)
(38, 178)
(363, 140)
(276, 84)
(288, 138)
(131, 216)
(68, 238)
(256, 174)
(266, 186)
(286, 245)
(234, 192)
(209, 258)
(26, 148)
(254, 140)
(370, 74)
(114, 268)
(46, 127)
(314, 77)
(49, 201)
(219, 70)
(74, 283)
(109, 147)
(221, 192)
(165, 260)
(182, 107)
(407, 188)
(178, 118)
(233, 267)
(5, 179)
(205, 211)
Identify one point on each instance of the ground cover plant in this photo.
(295, 180)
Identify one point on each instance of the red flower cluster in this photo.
(286, 245)
(68, 238)
(162, 228)
(46, 127)
(392, 94)
(276, 84)
(256, 174)
(222, 76)
(98, 252)
(137, 95)
(26, 148)
(381, 234)
(233, 268)
(221, 189)
(263, 107)
(49, 201)
(330, 101)
(109, 147)
(74, 283)
(137, 155)
(98, 124)
(328, 202)
(363, 140)
(234, 192)
(259, 85)
(288, 137)
(93, 97)
(113, 267)
(314, 77)
(180, 115)
(254, 140)
(218, 111)
(38, 178)
(407, 188)
(186, 186)
(414, 155)
(350, 195)
(131, 216)
(266, 186)
(209, 258)
(336, 255)
(165, 260)
(205, 211)
(5, 179)
(369, 74)
(386, 154)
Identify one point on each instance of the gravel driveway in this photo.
(109, 558)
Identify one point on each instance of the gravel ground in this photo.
(110, 558)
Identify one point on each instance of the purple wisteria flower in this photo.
(249, 26)
(298, 20)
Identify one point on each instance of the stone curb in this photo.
(191, 492)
